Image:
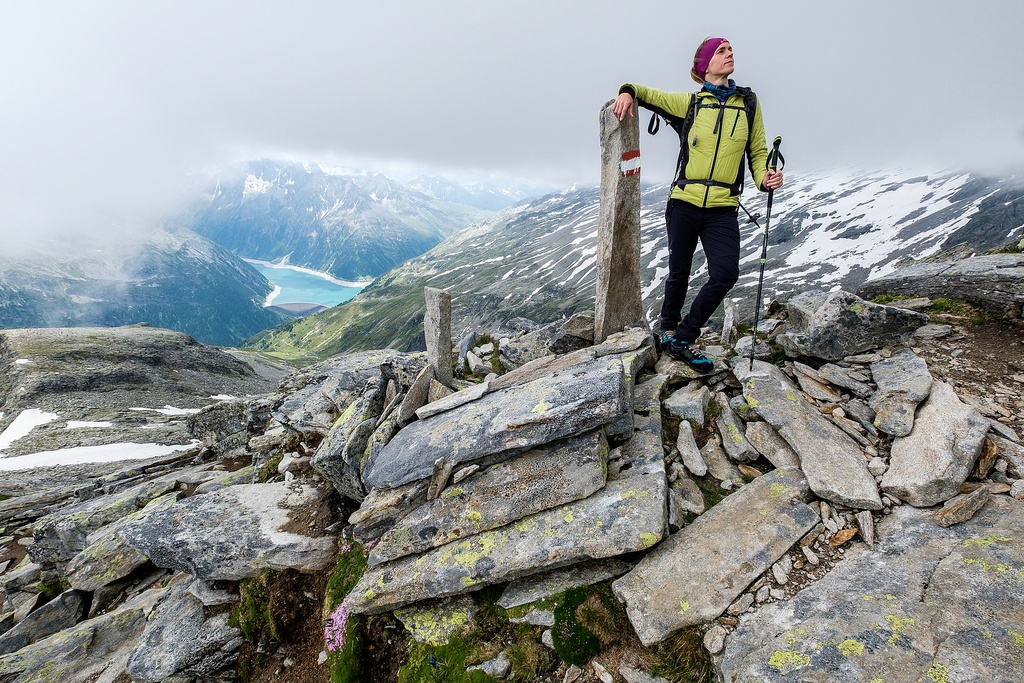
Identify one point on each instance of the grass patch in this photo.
(441, 664)
(484, 638)
(494, 633)
(669, 428)
(959, 309)
(683, 659)
(886, 299)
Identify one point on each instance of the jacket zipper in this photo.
(714, 159)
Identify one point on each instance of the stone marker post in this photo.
(729, 323)
(437, 328)
(618, 301)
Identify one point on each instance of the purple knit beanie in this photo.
(702, 59)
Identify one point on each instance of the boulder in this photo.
(732, 430)
(542, 478)
(180, 641)
(689, 453)
(841, 377)
(833, 463)
(627, 515)
(575, 333)
(268, 531)
(834, 325)
(696, 573)
(438, 621)
(563, 404)
(107, 557)
(87, 652)
(689, 403)
(772, 446)
(339, 458)
(903, 381)
(551, 583)
(930, 465)
(65, 532)
(58, 614)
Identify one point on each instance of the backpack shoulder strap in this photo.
(750, 107)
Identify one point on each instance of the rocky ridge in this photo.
(869, 510)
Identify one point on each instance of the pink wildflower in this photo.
(335, 626)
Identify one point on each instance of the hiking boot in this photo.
(689, 354)
(661, 339)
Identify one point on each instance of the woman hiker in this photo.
(715, 135)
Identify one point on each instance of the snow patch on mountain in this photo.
(254, 185)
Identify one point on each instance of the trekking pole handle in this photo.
(774, 156)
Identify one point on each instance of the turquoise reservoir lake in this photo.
(300, 285)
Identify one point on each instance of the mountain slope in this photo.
(354, 226)
(173, 279)
(537, 260)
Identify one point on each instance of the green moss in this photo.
(493, 632)
(683, 659)
(345, 663)
(269, 469)
(573, 641)
(604, 616)
(252, 616)
(496, 365)
(52, 588)
(959, 309)
(709, 486)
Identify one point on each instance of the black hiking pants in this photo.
(718, 231)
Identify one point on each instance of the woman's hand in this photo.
(623, 105)
(772, 180)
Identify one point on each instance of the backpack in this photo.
(683, 129)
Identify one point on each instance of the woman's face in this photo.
(721, 63)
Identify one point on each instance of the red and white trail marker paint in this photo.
(630, 164)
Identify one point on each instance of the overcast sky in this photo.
(108, 106)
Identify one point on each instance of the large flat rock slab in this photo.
(540, 479)
(929, 466)
(627, 515)
(927, 604)
(697, 572)
(833, 463)
(566, 403)
(994, 282)
(93, 650)
(233, 533)
(108, 557)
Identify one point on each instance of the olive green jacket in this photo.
(717, 143)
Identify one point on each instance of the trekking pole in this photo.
(774, 157)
